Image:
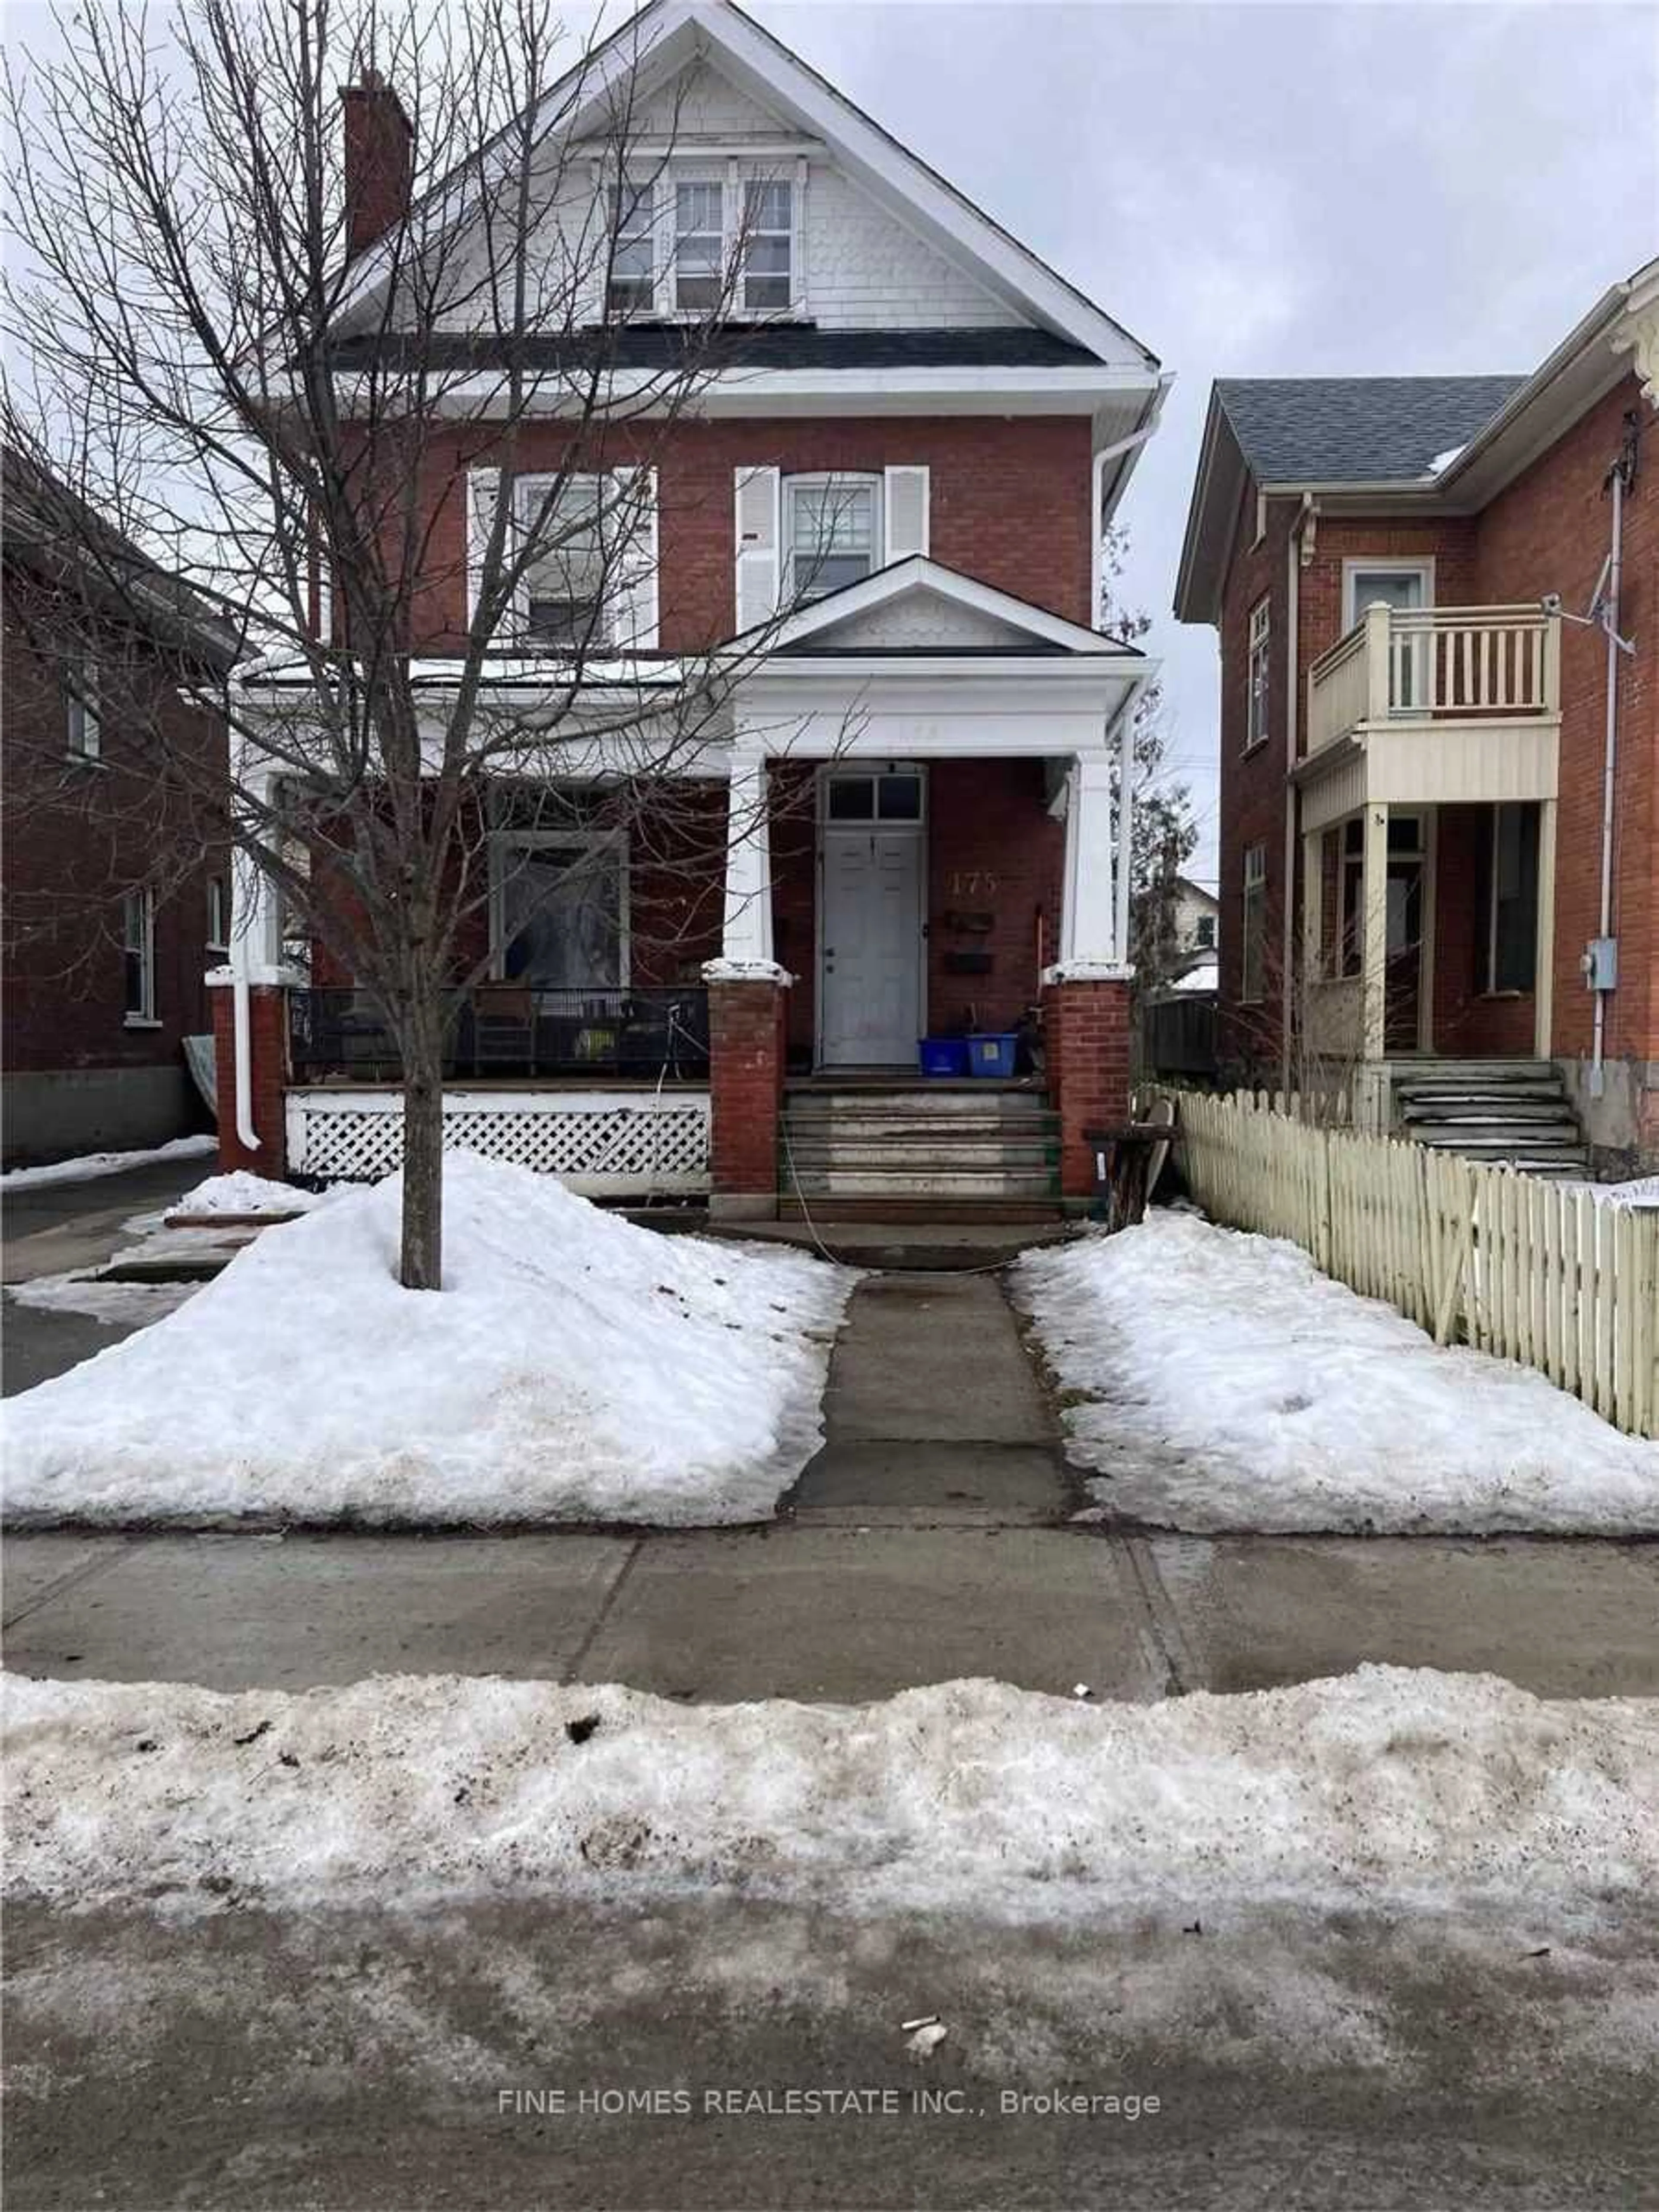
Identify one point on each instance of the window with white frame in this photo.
(768, 247)
(633, 283)
(82, 723)
(218, 914)
(832, 532)
(1255, 713)
(561, 526)
(561, 910)
(699, 244)
(1252, 938)
(138, 955)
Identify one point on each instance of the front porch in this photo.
(918, 846)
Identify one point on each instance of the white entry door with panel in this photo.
(872, 842)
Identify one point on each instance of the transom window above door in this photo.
(888, 794)
(832, 528)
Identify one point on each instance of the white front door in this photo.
(869, 990)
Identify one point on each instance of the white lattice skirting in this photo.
(605, 1144)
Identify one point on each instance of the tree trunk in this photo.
(421, 1264)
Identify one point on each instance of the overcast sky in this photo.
(1265, 190)
(1277, 190)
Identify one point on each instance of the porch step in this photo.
(959, 1212)
(882, 1148)
(1514, 1113)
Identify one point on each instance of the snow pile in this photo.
(242, 1193)
(971, 1794)
(93, 1164)
(116, 1305)
(574, 1368)
(1226, 1384)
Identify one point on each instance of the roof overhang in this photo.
(1619, 333)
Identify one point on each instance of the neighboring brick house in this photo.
(116, 897)
(906, 464)
(1416, 763)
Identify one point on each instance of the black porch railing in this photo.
(509, 1029)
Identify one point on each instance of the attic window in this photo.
(699, 246)
(769, 235)
(633, 260)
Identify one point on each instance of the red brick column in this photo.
(745, 1086)
(1085, 1034)
(267, 1021)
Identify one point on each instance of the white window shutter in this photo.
(904, 508)
(632, 613)
(759, 534)
(484, 491)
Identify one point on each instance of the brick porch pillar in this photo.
(1086, 1032)
(745, 1088)
(267, 1054)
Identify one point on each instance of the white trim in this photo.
(142, 1016)
(1358, 564)
(918, 572)
(1262, 643)
(738, 393)
(582, 841)
(792, 481)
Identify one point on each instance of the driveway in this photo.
(58, 1229)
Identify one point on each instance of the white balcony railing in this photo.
(1479, 664)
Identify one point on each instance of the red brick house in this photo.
(1435, 604)
(919, 772)
(115, 898)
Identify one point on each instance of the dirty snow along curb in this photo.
(1224, 1383)
(574, 1368)
(91, 1166)
(971, 1796)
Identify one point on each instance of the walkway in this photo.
(929, 1539)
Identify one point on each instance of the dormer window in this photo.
(699, 246)
(832, 528)
(633, 283)
(769, 238)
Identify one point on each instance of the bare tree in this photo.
(341, 402)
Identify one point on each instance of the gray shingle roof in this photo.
(1356, 430)
(761, 345)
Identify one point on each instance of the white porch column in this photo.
(1543, 1002)
(1374, 966)
(1091, 906)
(746, 940)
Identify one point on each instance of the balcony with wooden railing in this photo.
(1447, 702)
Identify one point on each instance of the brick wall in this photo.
(1009, 506)
(268, 1049)
(1549, 531)
(75, 838)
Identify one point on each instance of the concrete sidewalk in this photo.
(930, 1539)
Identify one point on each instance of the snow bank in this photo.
(1227, 1384)
(242, 1193)
(971, 1794)
(574, 1368)
(93, 1164)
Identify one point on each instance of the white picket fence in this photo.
(1509, 1262)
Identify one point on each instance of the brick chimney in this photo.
(380, 151)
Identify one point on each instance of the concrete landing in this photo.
(907, 1246)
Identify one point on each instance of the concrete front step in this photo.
(960, 1213)
(1517, 1097)
(887, 1186)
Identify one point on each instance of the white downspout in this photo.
(1609, 767)
(241, 1039)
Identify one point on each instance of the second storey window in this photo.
(768, 233)
(82, 730)
(832, 527)
(699, 246)
(1256, 716)
(565, 575)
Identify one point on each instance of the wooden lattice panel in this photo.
(608, 1146)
